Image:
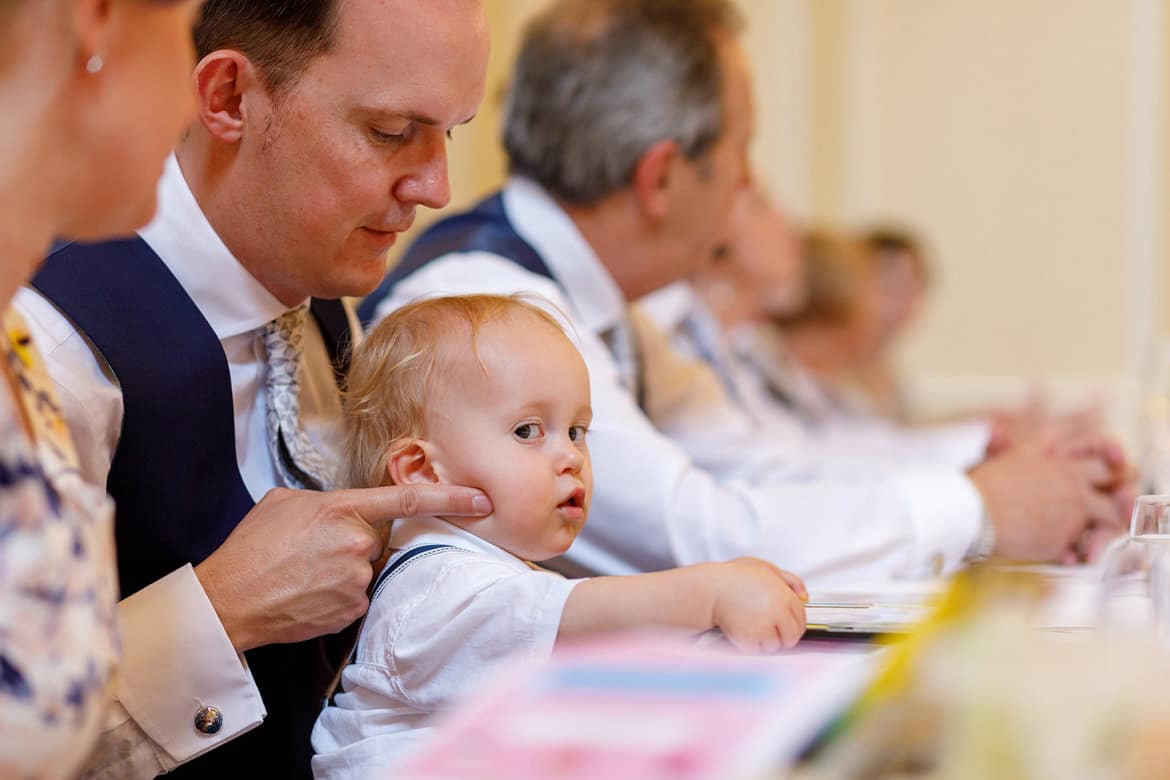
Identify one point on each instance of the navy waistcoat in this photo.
(174, 473)
(485, 228)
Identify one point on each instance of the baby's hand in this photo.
(758, 606)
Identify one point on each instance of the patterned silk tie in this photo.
(622, 341)
(295, 458)
(621, 348)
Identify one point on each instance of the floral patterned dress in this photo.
(58, 579)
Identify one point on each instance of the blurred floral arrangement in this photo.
(982, 692)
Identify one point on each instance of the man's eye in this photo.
(577, 433)
(386, 138)
(527, 431)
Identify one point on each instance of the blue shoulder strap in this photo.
(485, 228)
(403, 558)
(395, 566)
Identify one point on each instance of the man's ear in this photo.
(652, 176)
(412, 464)
(222, 79)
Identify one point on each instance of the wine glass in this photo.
(1143, 559)
(1154, 431)
(1150, 523)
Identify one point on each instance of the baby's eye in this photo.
(527, 431)
(577, 433)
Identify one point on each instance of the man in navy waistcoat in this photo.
(321, 127)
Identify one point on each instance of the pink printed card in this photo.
(645, 707)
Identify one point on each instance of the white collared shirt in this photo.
(746, 361)
(165, 672)
(697, 480)
(435, 631)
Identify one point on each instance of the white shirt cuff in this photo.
(177, 658)
(945, 511)
(961, 444)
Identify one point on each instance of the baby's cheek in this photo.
(513, 483)
(468, 475)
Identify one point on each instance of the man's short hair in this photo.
(280, 37)
(598, 82)
(396, 373)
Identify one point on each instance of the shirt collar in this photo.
(670, 306)
(418, 531)
(230, 299)
(764, 347)
(591, 290)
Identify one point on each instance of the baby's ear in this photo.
(411, 464)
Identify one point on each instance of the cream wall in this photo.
(1022, 139)
(992, 130)
(1025, 139)
(1164, 128)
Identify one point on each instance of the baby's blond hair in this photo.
(395, 374)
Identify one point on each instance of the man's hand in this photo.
(298, 565)
(1034, 423)
(1040, 502)
(1092, 543)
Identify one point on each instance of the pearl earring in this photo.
(94, 64)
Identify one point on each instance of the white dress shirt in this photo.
(694, 480)
(177, 654)
(434, 632)
(748, 363)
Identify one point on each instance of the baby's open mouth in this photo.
(575, 499)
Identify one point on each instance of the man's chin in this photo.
(356, 275)
(351, 285)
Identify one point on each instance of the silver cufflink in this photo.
(208, 720)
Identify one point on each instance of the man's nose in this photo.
(425, 180)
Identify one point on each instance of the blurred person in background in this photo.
(837, 349)
(729, 316)
(864, 293)
(725, 317)
(896, 280)
(95, 93)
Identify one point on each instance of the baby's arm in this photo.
(758, 606)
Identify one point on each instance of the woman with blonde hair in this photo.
(863, 291)
(95, 93)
